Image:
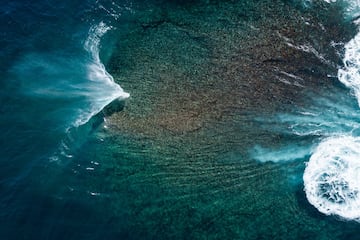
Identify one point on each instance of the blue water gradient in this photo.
(62, 179)
(52, 81)
(53, 78)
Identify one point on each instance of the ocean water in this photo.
(52, 82)
(331, 175)
(80, 159)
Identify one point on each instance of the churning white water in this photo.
(332, 175)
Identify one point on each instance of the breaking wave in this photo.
(102, 87)
(328, 132)
(332, 175)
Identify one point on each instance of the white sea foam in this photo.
(92, 43)
(332, 177)
(350, 74)
(325, 118)
(77, 83)
(290, 152)
(352, 9)
(103, 89)
(92, 91)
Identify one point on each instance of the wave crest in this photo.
(103, 87)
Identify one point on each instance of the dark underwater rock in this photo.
(199, 74)
(191, 64)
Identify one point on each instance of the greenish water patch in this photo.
(175, 162)
(207, 80)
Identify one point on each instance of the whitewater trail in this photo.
(332, 175)
(103, 88)
(99, 90)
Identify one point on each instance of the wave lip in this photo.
(101, 87)
(332, 177)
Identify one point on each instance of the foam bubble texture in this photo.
(350, 74)
(332, 177)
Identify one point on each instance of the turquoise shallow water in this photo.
(68, 172)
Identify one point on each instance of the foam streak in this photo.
(332, 175)
(104, 90)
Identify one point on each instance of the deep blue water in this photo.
(52, 76)
(53, 81)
